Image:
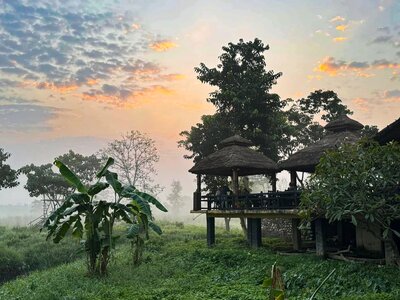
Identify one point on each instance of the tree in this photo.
(369, 131)
(245, 106)
(135, 157)
(175, 198)
(243, 102)
(243, 97)
(8, 176)
(326, 102)
(43, 182)
(357, 182)
(85, 167)
(94, 220)
(302, 128)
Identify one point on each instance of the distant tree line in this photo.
(135, 157)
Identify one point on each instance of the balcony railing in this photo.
(260, 201)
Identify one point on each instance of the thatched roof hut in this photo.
(341, 130)
(235, 154)
(389, 133)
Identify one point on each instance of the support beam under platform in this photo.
(254, 232)
(296, 234)
(210, 231)
(320, 237)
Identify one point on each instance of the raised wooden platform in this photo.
(253, 213)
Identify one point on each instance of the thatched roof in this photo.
(344, 123)
(341, 130)
(235, 154)
(389, 133)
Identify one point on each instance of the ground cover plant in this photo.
(23, 250)
(179, 265)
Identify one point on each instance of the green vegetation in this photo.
(178, 265)
(8, 176)
(94, 220)
(23, 250)
(358, 182)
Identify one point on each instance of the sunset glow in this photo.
(94, 70)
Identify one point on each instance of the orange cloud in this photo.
(337, 19)
(361, 104)
(133, 99)
(330, 66)
(60, 88)
(339, 39)
(392, 96)
(162, 45)
(333, 67)
(342, 27)
(135, 26)
(172, 77)
(154, 90)
(384, 64)
(365, 75)
(312, 77)
(92, 82)
(106, 99)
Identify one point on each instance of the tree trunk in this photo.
(227, 224)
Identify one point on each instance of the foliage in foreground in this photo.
(358, 182)
(178, 265)
(94, 219)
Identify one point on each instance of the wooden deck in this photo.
(254, 213)
(271, 204)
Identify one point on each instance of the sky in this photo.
(78, 74)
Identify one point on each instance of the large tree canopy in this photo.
(8, 176)
(245, 105)
(45, 183)
(84, 166)
(242, 98)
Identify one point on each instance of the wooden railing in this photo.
(260, 201)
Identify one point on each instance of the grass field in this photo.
(178, 265)
(23, 250)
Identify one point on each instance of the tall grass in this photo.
(23, 250)
(178, 265)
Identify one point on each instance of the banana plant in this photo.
(93, 220)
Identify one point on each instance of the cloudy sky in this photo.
(76, 75)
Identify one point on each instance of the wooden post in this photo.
(210, 231)
(235, 182)
(293, 182)
(320, 237)
(254, 232)
(296, 234)
(198, 183)
(197, 195)
(273, 182)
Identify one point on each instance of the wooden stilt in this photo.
(320, 237)
(296, 234)
(254, 232)
(210, 231)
